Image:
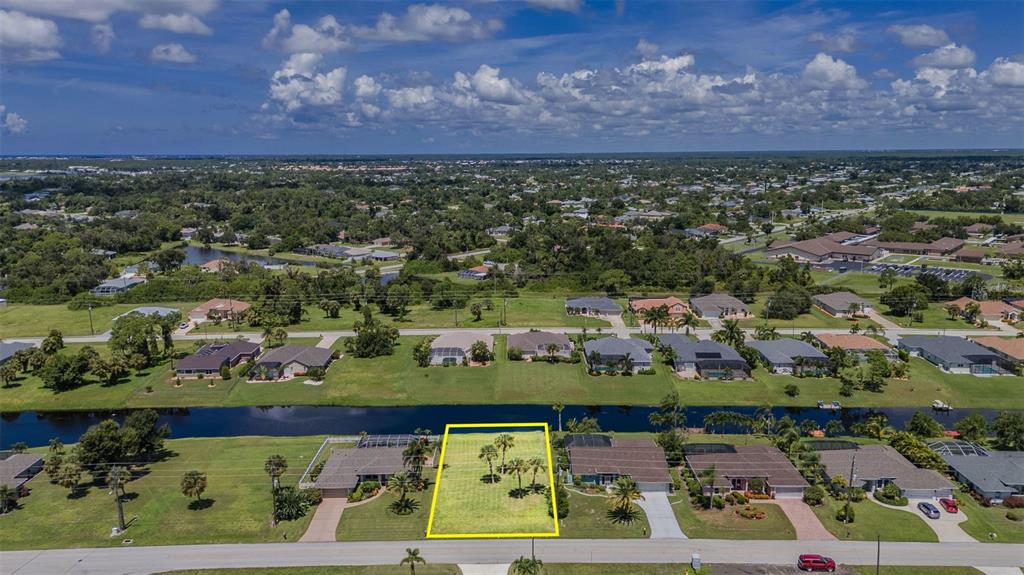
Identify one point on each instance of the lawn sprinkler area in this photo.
(493, 481)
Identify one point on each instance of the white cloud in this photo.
(174, 53)
(826, 72)
(326, 37)
(367, 87)
(102, 36)
(565, 5)
(919, 35)
(423, 22)
(647, 49)
(97, 11)
(1006, 72)
(27, 38)
(410, 98)
(177, 23)
(12, 123)
(949, 56)
(299, 83)
(844, 41)
(487, 84)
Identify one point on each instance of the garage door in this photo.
(789, 492)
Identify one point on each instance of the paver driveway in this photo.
(806, 523)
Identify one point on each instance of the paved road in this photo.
(660, 516)
(144, 560)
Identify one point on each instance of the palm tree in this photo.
(536, 464)
(275, 467)
(527, 566)
(952, 310)
(623, 493)
(504, 442)
(765, 331)
(193, 484)
(401, 484)
(731, 334)
(489, 453)
(519, 467)
(594, 359)
(552, 350)
(656, 316)
(412, 557)
(56, 445)
(558, 406)
(6, 497)
(808, 337)
(627, 363)
(415, 457)
(689, 320)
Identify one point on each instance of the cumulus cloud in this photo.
(177, 23)
(299, 83)
(102, 36)
(919, 35)
(422, 22)
(174, 53)
(325, 37)
(647, 49)
(826, 72)
(25, 38)
(367, 87)
(949, 56)
(845, 41)
(1006, 72)
(97, 11)
(564, 5)
(487, 85)
(12, 123)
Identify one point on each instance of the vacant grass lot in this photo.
(236, 506)
(982, 521)
(588, 519)
(22, 320)
(815, 319)
(469, 503)
(871, 521)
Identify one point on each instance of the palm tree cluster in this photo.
(660, 317)
(517, 465)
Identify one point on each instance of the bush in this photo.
(792, 390)
(1014, 515)
(515, 354)
(1014, 502)
(730, 499)
(814, 495)
(741, 499)
(857, 494)
(225, 372)
(845, 514)
(751, 512)
(718, 502)
(890, 495)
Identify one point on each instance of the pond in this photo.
(198, 255)
(36, 428)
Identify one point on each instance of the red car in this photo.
(949, 505)
(816, 563)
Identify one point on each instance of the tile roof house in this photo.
(535, 343)
(291, 360)
(875, 466)
(9, 348)
(705, 358)
(642, 460)
(612, 351)
(676, 307)
(859, 345)
(953, 354)
(719, 305)
(991, 310)
(596, 306)
(789, 356)
(17, 468)
(453, 348)
(208, 360)
(839, 304)
(1009, 349)
(478, 273)
(219, 308)
(737, 467)
(346, 468)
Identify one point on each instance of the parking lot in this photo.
(903, 270)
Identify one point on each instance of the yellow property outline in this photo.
(440, 468)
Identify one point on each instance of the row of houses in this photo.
(283, 362)
(349, 253)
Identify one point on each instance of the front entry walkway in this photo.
(806, 523)
(324, 524)
(664, 524)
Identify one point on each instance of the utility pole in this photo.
(91, 330)
(114, 489)
(849, 489)
(878, 552)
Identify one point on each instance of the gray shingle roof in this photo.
(785, 350)
(639, 349)
(9, 348)
(703, 351)
(717, 302)
(949, 348)
(999, 471)
(603, 304)
(840, 300)
(533, 339)
(302, 354)
(876, 462)
(344, 466)
(13, 467)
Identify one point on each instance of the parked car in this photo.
(816, 563)
(949, 505)
(184, 325)
(928, 509)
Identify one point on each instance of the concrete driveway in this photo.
(660, 516)
(806, 523)
(946, 527)
(324, 524)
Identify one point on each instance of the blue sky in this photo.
(222, 77)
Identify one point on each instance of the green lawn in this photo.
(815, 319)
(727, 524)
(236, 506)
(912, 570)
(23, 320)
(616, 569)
(588, 519)
(871, 521)
(1013, 218)
(468, 503)
(373, 521)
(428, 569)
(981, 521)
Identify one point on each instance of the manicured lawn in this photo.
(236, 507)
(911, 570)
(588, 519)
(23, 320)
(815, 319)
(615, 569)
(871, 521)
(727, 524)
(981, 521)
(374, 521)
(467, 502)
(428, 569)
(955, 215)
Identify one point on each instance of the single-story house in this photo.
(840, 303)
(595, 306)
(1009, 349)
(9, 348)
(210, 358)
(642, 460)
(149, 310)
(291, 360)
(820, 250)
(875, 466)
(214, 266)
(219, 308)
(478, 273)
(737, 466)
(788, 356)
(953, 354)
(855, 343)
(535, 343)
(612, 351)
(713, 228)
(994, 475)
(705, 358)
(676, 307)
(453, 348)
(990, 310)
(719, 305)
(115, 286)
(346, 468)
(502, 231)
(18, 468)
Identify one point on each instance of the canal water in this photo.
(36, 428)
(198, 255)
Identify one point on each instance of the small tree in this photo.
(792, 390)
(479, 352)
(225, 372)
(489, 453)
(193, 484)
(421, 353)
(527, 566)
(69, 475)
(504, 442)
(412, 558)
